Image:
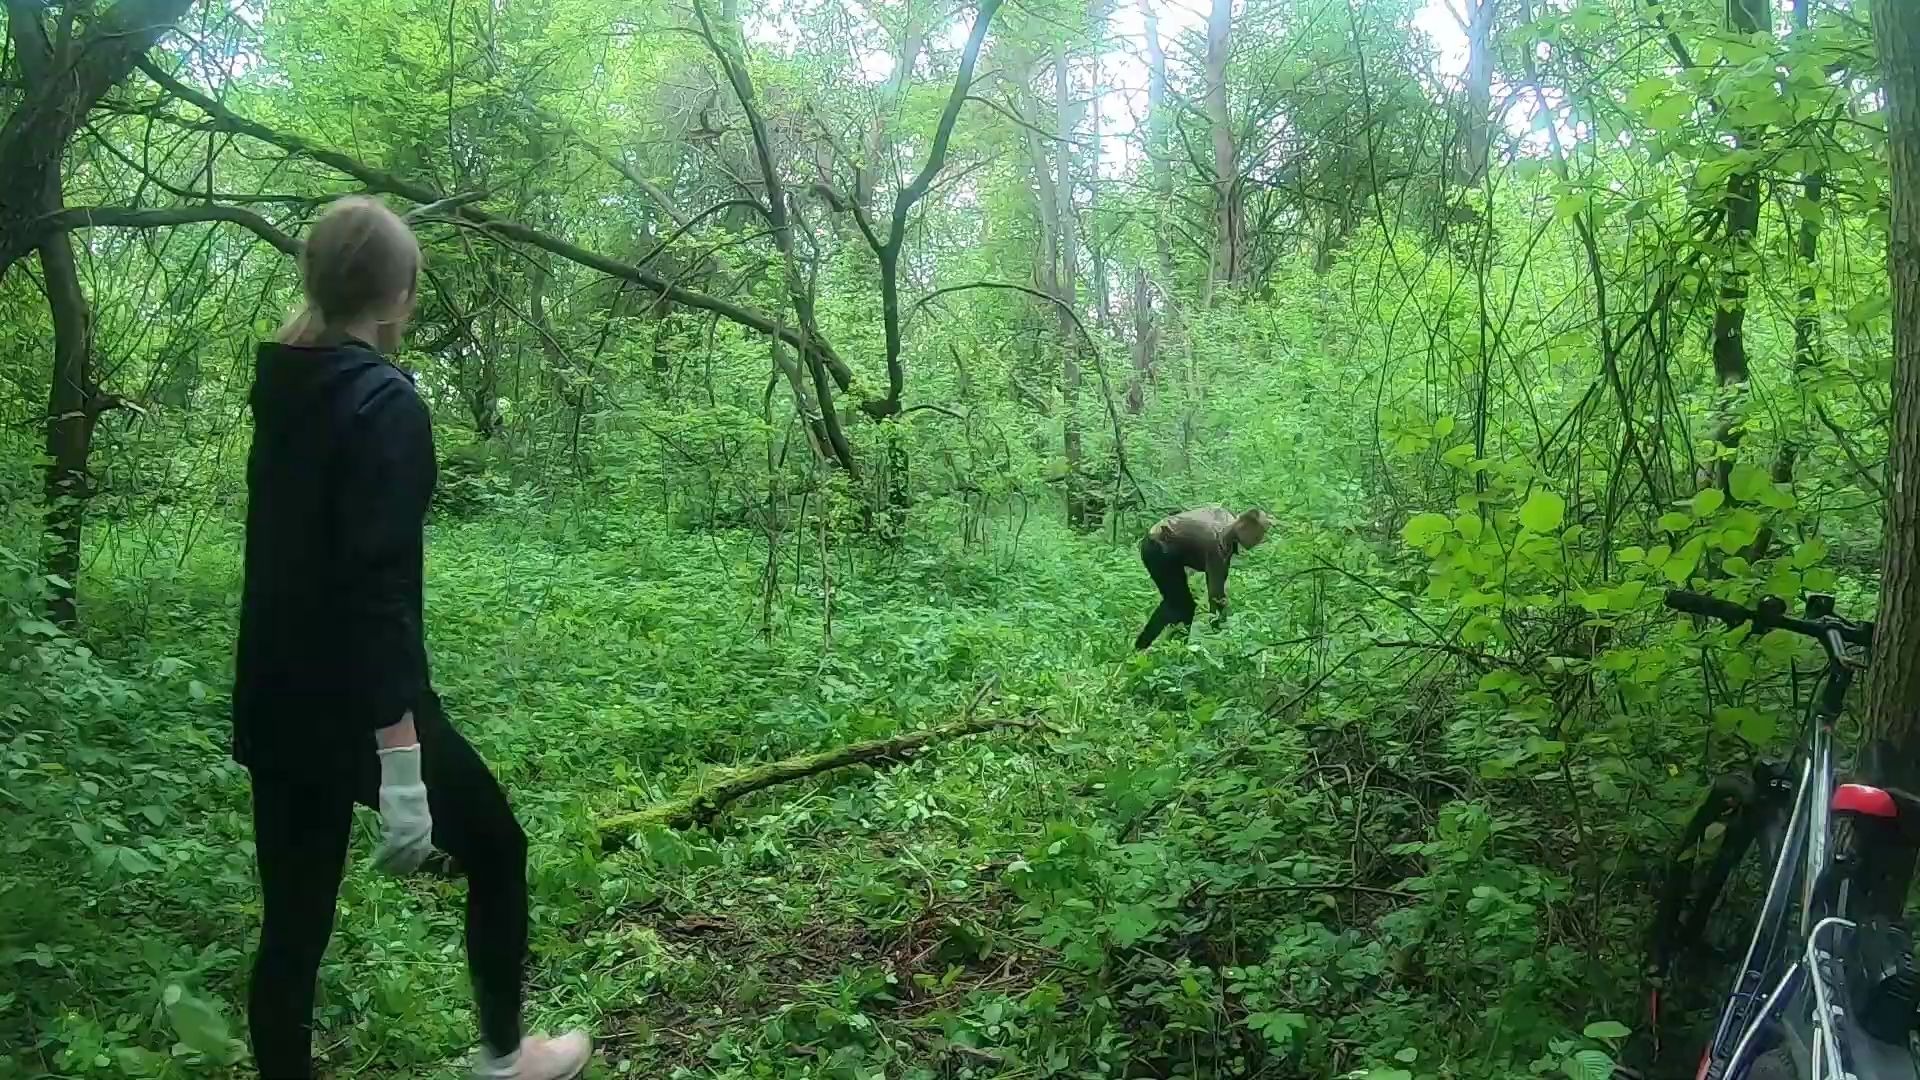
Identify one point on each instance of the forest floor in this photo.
(1250, 853)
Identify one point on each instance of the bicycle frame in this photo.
(1774, 982)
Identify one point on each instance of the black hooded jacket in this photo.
(332, 645)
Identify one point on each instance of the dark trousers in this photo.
(300, 827)
(1169, 573)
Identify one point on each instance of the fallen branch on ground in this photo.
(703, 806)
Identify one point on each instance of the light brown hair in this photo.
(1251, 528)
(358, 259)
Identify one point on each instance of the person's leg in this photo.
(473, 823)
(300, 843)
(1156, 622)
(1178, 593)
(1170, 578)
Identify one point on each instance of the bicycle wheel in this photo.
(1711, 901)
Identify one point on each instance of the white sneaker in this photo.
(539, 1058)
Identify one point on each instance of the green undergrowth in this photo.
(1269, 850)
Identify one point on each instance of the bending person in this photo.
(332, 704)
(1205, 540)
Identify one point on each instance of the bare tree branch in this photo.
(441, 206)
(903, 202)
(798, 292)
(1023, 122)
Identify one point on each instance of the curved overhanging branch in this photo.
(131, 217)
(381, 182)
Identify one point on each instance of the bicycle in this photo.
(1827, 987)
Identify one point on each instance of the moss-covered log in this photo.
(703, 806)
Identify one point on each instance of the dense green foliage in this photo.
(1399, 818)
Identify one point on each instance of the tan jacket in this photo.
(1204, 540)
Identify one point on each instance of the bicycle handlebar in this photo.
(1711, 607)
(1771, 614)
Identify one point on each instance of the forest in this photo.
(804, 376)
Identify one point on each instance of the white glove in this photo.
(407, 835)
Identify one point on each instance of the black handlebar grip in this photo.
(1710, 606)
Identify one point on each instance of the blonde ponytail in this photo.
(358, 258)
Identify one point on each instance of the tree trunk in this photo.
(1730, 366)
(1806, 323)
(1230, 215)
(1158, 151)
(71, 411)
(1476, 135)
(1146, 343)
(60, 84)
(1893, 684)
(1066, 287)
(60, 88)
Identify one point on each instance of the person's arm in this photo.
(384, 491)
(398, 736)
(1217, 562)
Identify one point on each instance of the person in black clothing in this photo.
(332, 703)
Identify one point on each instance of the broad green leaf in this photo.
(1280, 1028)
(1811, 553)
(1748, 481)
(1543, 511)
(1422, 529)
(1131, 923)
(1776, 496)
(1757, 728)
(1670, 113)
(1713, 174)
(1866, 311)
(1588, 1065)
(1708, 501)
(1674, 522)
(1627, 595)
(1679, 568)
(199, 1026)
(1646, 92)
(1607, 1029)
(1737, 530)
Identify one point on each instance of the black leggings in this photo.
(1169, 573)
(300, 828)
